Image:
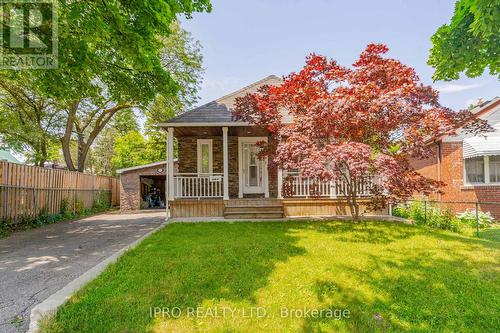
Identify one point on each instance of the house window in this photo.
(474, 170)
(494, 169)
(204, 150)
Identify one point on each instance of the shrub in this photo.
(444, 219)
(414, 211)
(65, 211)
(33, 222)
(57, 217)
(401, 212)
(469, 217)
(425, 214)
(101, 203)
(79, 206)
(5, 227)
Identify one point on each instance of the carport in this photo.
(143, 186)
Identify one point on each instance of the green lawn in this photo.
(390, 277)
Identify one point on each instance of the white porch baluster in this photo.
(333, 190)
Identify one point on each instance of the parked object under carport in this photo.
(137, 182)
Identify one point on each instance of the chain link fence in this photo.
(450, 215)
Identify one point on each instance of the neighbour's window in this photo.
(494, 169)
(474, 170)
(205, 156)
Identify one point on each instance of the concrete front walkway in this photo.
(36, 263)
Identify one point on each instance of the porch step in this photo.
(256, 202)
(254, 209)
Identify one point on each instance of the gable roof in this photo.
(489, 111)
(486, 106)
(212, 112)
(219, 111)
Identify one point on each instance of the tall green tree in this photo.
(114, 46)
(181, 57)
(130, 150)
(469, 43)
(125, 122)
(102, 153)
(29, 123)
(109, 61)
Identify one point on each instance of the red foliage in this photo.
(349, 122)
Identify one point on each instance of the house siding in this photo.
(188, 163)
(187, 159)
(452, 174)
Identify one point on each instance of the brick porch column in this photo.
(225, 163)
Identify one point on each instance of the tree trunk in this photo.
(43, 153)
(66, 139)
(355, 199)
(84, 145)
(81, 153)
(355, 204)
(352, 199)
(102, 121)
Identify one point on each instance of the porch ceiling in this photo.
(217, 131)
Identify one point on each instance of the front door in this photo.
(253, 169)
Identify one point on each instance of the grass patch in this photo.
(390, 277)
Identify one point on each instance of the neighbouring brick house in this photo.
(219, 173)
(469, 165)
(136, 182)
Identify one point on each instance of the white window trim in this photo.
(199, 143)
(487, 182)
(488, 169)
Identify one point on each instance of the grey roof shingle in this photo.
(212, 112)
(219, 111)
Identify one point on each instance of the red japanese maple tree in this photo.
(350, 123)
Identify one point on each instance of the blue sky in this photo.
(244, 41)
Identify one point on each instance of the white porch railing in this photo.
(196, 186)
(310, 187)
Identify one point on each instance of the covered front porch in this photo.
(218, 162)
(220, 175)
(222, 162)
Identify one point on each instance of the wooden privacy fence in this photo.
(27, 191)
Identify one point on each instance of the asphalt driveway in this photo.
(36, 263)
